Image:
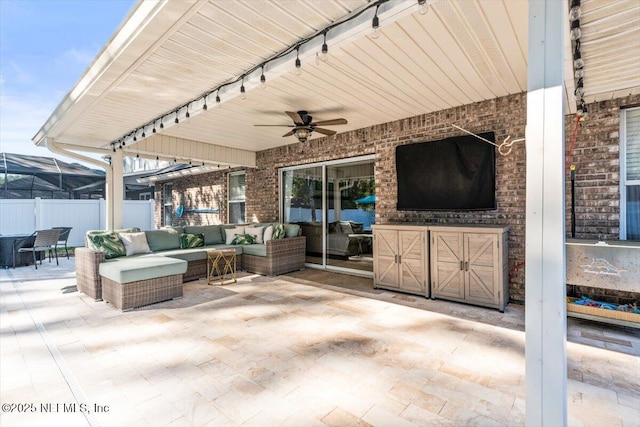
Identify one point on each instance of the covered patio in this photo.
(395, 74)
(311, 348)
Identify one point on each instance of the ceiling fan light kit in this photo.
(303, 125)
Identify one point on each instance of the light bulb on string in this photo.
(324, 55)
(298, 69)
(218, 105)
(423, 7)
(375, 25)
(263, 79)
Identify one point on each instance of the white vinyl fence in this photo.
(24, 216)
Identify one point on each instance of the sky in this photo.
(45, 47)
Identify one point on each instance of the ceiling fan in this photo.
(303, 125)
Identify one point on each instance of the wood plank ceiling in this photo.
(460, 52)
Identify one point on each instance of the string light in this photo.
(423, 7)
(298, 69)
(375, 25)
(322, 56)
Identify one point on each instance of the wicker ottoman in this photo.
(136, 282)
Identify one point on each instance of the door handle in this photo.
(399, 259)
(466, 266)
(461, 265)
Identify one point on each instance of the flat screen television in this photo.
(450, 174)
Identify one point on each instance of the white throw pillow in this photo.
(255, 231)
(135, 243)
(231, 233)
(268, 234)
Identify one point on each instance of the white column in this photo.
(117, 194)
(546, 362)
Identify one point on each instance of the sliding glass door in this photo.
(334, 204)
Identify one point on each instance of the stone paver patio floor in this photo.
(294, 350)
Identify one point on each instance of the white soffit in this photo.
(460, 52)
(610, 46)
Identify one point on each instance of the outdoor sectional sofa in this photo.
(158, 272)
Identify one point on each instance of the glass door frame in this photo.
(323, 165)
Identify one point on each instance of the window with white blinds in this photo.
(630, 174)
(236, 198)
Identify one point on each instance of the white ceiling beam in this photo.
(184, 149)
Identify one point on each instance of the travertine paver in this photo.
(312, 348)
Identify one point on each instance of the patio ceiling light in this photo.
(302, 133)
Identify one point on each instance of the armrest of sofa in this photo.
(283, 256)
(88, 280)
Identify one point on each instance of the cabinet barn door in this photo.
(447, 275)
(413, 265)
(482, 274)
(385, 250)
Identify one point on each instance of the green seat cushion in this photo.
(258, 250)
(163, 240)
(127, 270)
(238, 248)
(212, 233)
(194, 254)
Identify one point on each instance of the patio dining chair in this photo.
(46, 240)
(64, 236)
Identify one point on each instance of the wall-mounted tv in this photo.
(450, 174)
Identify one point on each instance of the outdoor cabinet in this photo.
(400, 258)
(469, 264)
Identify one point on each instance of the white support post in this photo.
(545, 318)
(117, 196)
(39, 213)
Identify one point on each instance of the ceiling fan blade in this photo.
(282, 126)
(288, 133)
(295, 117)
(330, 122)
(325, 131)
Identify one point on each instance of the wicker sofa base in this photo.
(127, 296)
(88, 279)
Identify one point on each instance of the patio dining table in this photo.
(6, 250)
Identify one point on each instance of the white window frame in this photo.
(144, 196)
(623, 172)
(229, 201)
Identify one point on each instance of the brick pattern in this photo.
(596, 156)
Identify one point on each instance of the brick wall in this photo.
(207, 190)
(596, 156)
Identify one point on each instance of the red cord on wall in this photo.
(573, 142)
